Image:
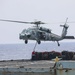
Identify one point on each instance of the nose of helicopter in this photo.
(24, 36)
(21, 36)
(27, 35)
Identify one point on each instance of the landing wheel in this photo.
(39, 42)
(58, 43)
(26, 41)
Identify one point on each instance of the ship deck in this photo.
(26, 64)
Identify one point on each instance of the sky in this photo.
(49, 11)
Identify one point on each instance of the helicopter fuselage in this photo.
(34, 34)
(43, 34)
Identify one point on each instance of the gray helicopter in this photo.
(39, 33)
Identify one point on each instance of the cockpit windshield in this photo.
(26, 31)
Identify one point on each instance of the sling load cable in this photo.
(35, 46)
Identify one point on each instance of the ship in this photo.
(40, 64)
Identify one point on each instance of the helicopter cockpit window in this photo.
(28, 31)
(24, 31)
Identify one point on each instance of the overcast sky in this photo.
(49, 11)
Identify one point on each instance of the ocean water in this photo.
(24, 51)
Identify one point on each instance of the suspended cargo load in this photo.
(45, 55)
(65, 55)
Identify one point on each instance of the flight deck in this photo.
(25, 67)
(26, 64)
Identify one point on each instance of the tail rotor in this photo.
(65, 25)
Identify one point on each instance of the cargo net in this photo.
(65, 55)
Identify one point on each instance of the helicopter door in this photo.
(42, 35)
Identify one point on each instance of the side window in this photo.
(33, 32)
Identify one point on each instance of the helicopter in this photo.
(39, 33)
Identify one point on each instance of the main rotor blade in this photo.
(35, 22)
(15, 21)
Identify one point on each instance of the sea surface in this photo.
(24, 51)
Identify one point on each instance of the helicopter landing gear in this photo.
(39, 41)
(26, 41)
(58, 43)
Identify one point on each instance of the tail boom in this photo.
(69, 37)
(64, 32)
